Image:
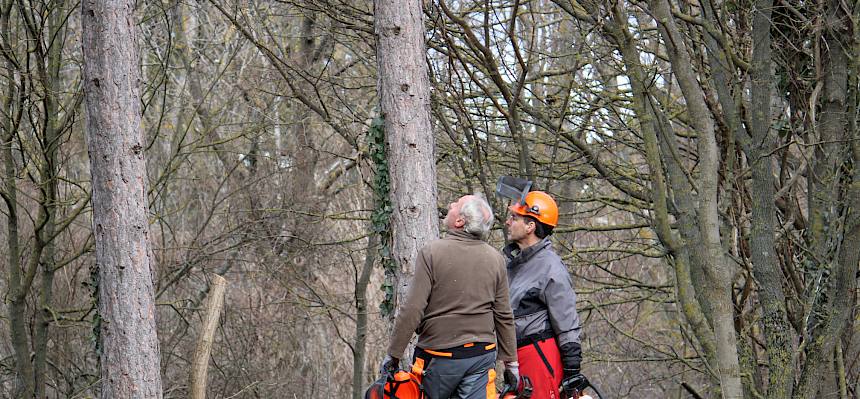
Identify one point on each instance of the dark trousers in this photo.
(469, 378)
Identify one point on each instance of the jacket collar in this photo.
(462, 235)
(516, 256)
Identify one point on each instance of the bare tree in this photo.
(404, 96)
(129, 354)
(39, 108)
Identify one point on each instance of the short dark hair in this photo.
(542, 230)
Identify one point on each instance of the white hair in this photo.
(478, 215)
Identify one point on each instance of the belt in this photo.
(534, 338)
(471, 349)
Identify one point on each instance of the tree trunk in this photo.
(835, 294)
(404, 92)
(360, 349)
(24, 387)
(716, 269)
(679, 247)
(17, 318)
(49, 73)
(763, 225)
(129, 357)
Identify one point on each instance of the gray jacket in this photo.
(542, 296)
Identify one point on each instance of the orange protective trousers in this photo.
(545, 372)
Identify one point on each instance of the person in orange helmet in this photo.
(543, 300)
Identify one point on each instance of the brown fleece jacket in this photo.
(458, 295)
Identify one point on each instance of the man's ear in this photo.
(531, 226)
(459, 222)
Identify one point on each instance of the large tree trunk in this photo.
(404, 93)
(129, 357)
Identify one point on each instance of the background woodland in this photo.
(704, 155)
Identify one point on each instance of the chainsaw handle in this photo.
(522, 391)
(578, 386)
(508, 392)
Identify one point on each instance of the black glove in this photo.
(571, 356)
(512, 374)
(389, 365)
(571, 360)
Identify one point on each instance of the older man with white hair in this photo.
(458, 304)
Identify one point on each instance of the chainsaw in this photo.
(407, 385)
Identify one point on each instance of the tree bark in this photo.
(404, 92)
(129, 358)
(763, 225)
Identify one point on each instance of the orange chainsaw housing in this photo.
(402, 385)
(407, 385)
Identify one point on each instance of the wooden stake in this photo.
(200, 365)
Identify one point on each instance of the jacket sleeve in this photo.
(503, 317)
(560, 299)
(412, 312)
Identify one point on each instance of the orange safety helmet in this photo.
(540, 206)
